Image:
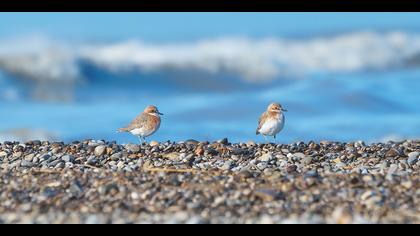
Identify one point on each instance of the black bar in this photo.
(212, 5)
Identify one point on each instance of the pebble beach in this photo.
(200, 182)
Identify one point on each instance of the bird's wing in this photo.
(138, 122)
(261, 121)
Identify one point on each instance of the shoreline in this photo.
(192, 182)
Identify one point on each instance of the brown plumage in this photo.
(261, 121)
(142, 121)
(271, 121)
(145, 124)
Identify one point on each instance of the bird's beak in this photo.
(284, 110)
(160, 113)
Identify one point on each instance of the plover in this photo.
(145, 124)
(271, 121)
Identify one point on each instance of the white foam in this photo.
(24, 135)
(39, 58)
(251, 59)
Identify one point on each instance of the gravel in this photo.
(200, 182)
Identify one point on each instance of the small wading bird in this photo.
(271, 121)
(145, 124)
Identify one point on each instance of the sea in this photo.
(349, 86)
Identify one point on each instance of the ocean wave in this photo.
(40, 59)
(250, 59)
(27, 134)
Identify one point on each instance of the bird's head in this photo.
(276, 108)
(152, 110)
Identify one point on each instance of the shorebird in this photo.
(271, 121)
(145, 124)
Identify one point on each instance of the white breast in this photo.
(143, 132)
(272, 126)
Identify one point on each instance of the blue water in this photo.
(370, 106)
(342, 76)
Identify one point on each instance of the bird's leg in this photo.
(275, 141)
(140, 139)
(265, 138)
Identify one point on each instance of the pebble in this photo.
(120, 165)
(392, 169)
(45, 157)
(30, 157)
(100, 150)
(224, 141)
(413, 158)
(392, 153)
(133, 148)
(192, 142)
(298, 156)
(251, 144)
(91, 160)
(153, 144)
(227, 165)
(407, 184)
(68, 158)
(209, 182)
(291, 168)
(262, 166)
(307, 160)
(174, 156)
(25, 163)
(266, 157)
(116, 156)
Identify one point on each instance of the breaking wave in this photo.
(251, 59)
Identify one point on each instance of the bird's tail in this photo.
(121, 130)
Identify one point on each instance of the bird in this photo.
(145, 124)
(271, 121)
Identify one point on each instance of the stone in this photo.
(251, 144)
(59, 165)
(56, 150)
(266, 157)
(224, 141)
(68, 158)
(407, 184)
(76, 189)
(174, 156)
(227, 165)
(133, 148)
(269, 195)
(100, 150)
(291, 168)
(116, 156)
(239, 184)
(307, 160)
(26, 163)
(392, 169)
(154, 143)
(17, 154)
(262, 166)
(392, 153)
(120, 164)
(45, 157)
(91, 160)
(192, 142)
(298, 156)
(413, 158)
